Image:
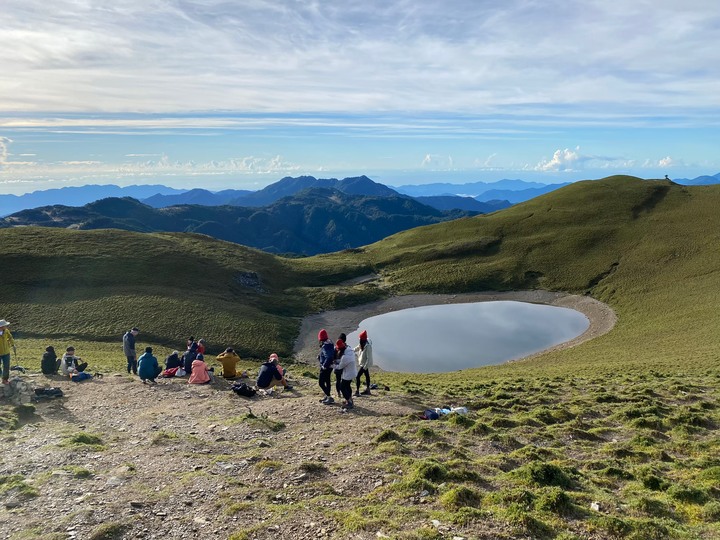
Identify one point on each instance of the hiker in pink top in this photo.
(200, 371)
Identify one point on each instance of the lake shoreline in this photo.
(601, 316)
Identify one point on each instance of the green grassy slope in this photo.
(93, 285)
(647, 248)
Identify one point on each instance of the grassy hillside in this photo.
(94, 285)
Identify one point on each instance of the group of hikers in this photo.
(192, 364)
(347, 363)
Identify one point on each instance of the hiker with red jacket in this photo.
(326, 359)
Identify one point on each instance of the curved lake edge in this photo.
(601, 316)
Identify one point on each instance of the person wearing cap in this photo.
(50, 363)
(348, 365)
(229, 359)
(70, 364)
(148, 367)
(200, 371)
(364, 357)
(326, 359)
(6, 343)
(271, 375)
(129, 349)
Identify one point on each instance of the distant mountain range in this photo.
(315, 220)
(159, 196)
(704, 180)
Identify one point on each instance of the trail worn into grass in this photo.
(602, 318)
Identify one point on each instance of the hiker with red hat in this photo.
(326, 359)
(348, 367)
(364, 356)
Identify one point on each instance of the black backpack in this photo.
(244, 390)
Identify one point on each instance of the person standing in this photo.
(129, 349)
(338, 372)
(148, 367)
(365, 359)
(348, 366)
(6, 342)
(326, 359)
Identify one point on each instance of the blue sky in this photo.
(221, 94)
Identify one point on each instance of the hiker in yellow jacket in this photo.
(6, 341)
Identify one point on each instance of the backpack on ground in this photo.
(244, 390)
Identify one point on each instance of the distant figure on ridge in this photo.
(326, 359)
(229, 360)
(148, 367)
(129, 349)
(50, 363)
(6, 342)
(365, 359)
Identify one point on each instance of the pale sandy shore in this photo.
(602, 318)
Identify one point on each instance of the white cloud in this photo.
(4, 143)
(356, 56)
(666, 162)
(562, 160)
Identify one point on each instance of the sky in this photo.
(222, 94)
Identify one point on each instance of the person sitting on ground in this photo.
(364, 356)
(148, 368)
(347, 364)
(70, 364)
(173, 360)
(270, 375)
(200, 371)
(201, 346)
(229, 359)
(326, 359)
(190, 355)
(50, 363)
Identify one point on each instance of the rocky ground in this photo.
(115, 458)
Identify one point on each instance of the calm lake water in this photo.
(450, 337)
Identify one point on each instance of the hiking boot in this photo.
(288, 388)
(350, 405)
(323, 400)
(365, 392)
(357, 393)
(329, 401)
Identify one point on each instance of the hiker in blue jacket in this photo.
(148, 367)
(326, 358)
